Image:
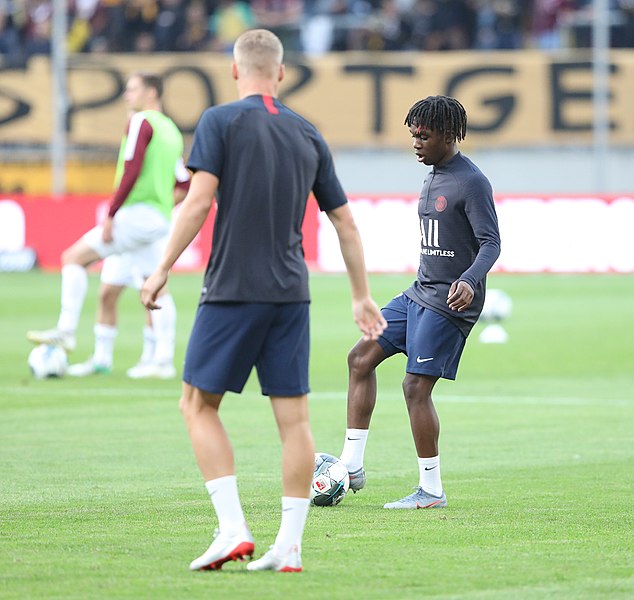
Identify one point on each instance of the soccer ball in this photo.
(330, 480)
(497, 306)
(47, 360)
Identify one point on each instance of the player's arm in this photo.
(139, 135)
(190, 219)
(183, 181)
(366, 313)
(480, 211)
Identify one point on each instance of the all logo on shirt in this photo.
(441, 203)
(430, 238)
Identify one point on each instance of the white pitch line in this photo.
(131, 392)
(89, 392)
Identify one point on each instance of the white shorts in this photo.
(123, 270)
(139, 235)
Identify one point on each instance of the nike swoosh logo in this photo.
(354, 439)
(421, 360)
(429, 468)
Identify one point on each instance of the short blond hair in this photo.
(259, 53)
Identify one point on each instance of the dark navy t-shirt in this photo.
(460, 239)
(268, 159)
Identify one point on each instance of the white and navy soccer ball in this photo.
(330, 480)
(48, 360)
(497, 306)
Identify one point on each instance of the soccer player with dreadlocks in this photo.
(430, 321)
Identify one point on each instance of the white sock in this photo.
(354, 448)
(74, 286)
(429, 475)
(164, 325)
(223, 492)
(294, 513)
(104, 344)
(147, 356)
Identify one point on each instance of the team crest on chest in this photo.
(441, 203)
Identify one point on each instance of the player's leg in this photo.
(222, 349)
(159, 342)
(75, 260)
(116, 275)
(105, 331)
(160, 338)
(145, 362)
(363, 360)
(214, 454)
(283, 373)
(298, 462)
(164, 328)
(434, 348)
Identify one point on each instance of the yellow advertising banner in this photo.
(513, 99)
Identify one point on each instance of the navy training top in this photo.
(268, 159)
(460, 239)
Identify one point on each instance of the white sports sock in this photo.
(147, 356)
(104, 344)
(354, 448)
(294, 513)
(164, 325)
(74, 286)
(429, 475)
(223, 492)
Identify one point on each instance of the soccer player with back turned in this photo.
(261, 161)
(430, 321)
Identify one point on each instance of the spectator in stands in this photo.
(499, 25)
(229, 19)
(170, 24)
(195, 36)
(141, 16)
(315, 26)
(627, 7)
(389, 30)
(110, 26)
(283, 18)
(421, 20)
(10, 47)
(39, 30)
(545, 21)
(80, 29)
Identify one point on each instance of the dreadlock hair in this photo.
(442, 114)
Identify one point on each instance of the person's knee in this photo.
(360, 363)
(79, 254)
(69, 257)
(187, 406)
(108, 295)
(193, 401)
(417, 388)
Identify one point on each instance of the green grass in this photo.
(100, 496)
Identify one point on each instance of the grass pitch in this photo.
(101, 497)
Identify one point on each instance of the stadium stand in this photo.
(308, 26)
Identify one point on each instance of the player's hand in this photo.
(106, 235)
(460, 295)
(151, 288)
(368, 318)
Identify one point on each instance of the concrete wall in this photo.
(533, 170)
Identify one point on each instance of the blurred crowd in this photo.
(308, 26)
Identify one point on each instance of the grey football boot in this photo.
(357, 479)
(419, 499)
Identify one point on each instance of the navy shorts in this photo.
(432, 343)
(229, 338)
